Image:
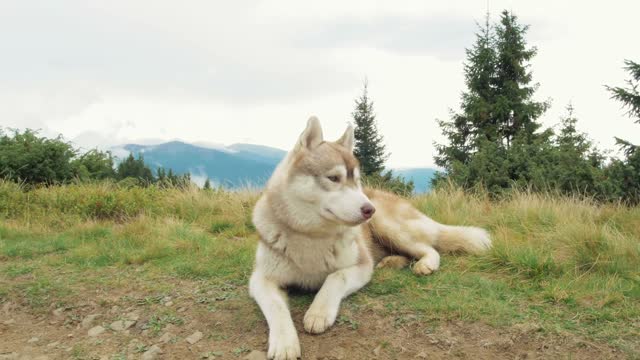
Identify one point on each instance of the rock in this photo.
(88, 320)
(152, 353)
(10, 356)
(133, 316)
(182, 309)
(194, 338)
(422, 355)
(166, 337)
(9, 322)
(95, 331)
(256, 355)
(33, 340)
(58, 312)
(121, 325)
(168, 303)
(53, 344)
(115, 309)
(377, 350)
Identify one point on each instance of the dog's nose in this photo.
(367, 211)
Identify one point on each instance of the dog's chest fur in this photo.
(304, 260)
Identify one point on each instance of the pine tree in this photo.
(135, 168)
(577, 164)
(630, 99)
(369, 148)
(624, 175)
(515, 111)
(476, 120)
(207, 185)
(493, 141)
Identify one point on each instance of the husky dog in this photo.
(318, 231)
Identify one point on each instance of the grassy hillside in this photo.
(561, 268)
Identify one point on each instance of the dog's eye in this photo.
(334, 178)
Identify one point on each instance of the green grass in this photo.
(565, 264)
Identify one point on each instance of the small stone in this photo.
(133, 316)
(88, 320)
(168, 303)
(58, 312)
(121, 325)
(182, 309)
(256, 355)
(166, 337)
(194, 338)
(53, 344)
(377, 350)
(9, 322)
(421, 355)
(152, 353)
(33, 340)
(95, 331)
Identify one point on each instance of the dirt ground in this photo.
(220, 324)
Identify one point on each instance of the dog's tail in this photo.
(462, 238)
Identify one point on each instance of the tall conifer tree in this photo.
(368, 148)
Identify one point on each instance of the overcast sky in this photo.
(102, 73)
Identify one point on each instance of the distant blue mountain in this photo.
(421, 177)
(236, 165)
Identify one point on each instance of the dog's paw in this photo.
(284, 348)
(426, 266)
(317, 322)
(393, 262)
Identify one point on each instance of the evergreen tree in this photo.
(135, 168)
(207, 185)
(369, 148)
(577, 165)
(630, 99)
(624, 175)
(515, 111)
(493, 141)
(475, 122)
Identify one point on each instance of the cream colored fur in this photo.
(315, 235)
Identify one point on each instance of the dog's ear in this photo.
(311, 136)
(346, 139)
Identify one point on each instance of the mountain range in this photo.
(235, 165)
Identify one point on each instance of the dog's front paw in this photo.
(284, 348)
(317, 322)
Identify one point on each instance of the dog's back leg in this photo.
(394, 262)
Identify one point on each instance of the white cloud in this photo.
(104, 73)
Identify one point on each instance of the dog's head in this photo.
(321, 179)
